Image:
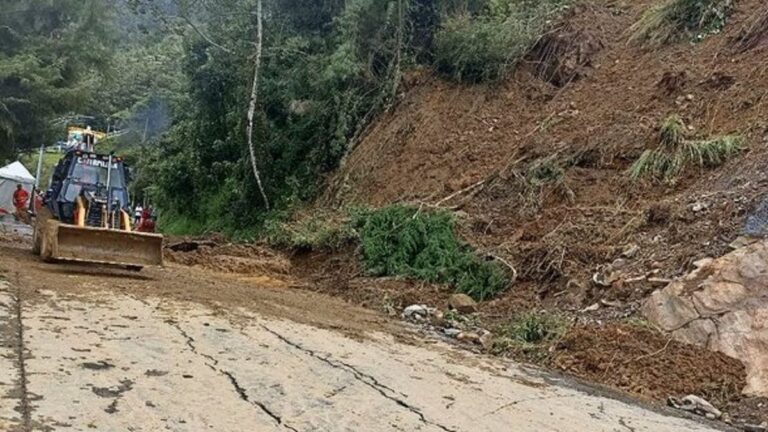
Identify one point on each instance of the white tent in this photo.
(10, 176)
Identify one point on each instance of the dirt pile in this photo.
(645, 363)
(231, 258)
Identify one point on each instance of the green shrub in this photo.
(403, 241)
(675, 153)
(537, 327)
(674, 19)
(486, 47)
(530, 333)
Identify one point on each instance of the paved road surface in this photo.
(86, 351)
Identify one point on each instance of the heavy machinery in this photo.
(86, 217)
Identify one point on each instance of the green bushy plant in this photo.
(674, 19)
(485, 47)
(404, 241)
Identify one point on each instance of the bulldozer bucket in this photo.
(63, 242)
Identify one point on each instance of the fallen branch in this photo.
(653, 354)
(506, 263)
(457, 193)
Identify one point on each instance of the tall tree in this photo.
(254, 99)
(51, 53)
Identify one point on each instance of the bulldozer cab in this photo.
(84, 175)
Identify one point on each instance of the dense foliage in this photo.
(174, 78)
(404, 241)
(51, 54)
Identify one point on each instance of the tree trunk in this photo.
(254, 99)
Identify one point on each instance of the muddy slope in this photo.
(474, 143)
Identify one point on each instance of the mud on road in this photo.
(186, 349)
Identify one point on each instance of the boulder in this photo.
(462, 303)
(723, 306)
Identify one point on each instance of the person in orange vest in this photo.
(20, 199)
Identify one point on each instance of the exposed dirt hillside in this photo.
(471, 148)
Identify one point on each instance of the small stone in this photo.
(699, 206)
(618, 264)
(486, 340)
(462, 303)
(451, 332)
(469, 337)
(631, 251)
(416, 312)
(591, 308)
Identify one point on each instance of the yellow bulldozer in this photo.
(85, 215)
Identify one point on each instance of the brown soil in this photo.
(443, 138)
(645, 363)
(257, 289)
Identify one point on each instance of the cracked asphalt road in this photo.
(80, 352)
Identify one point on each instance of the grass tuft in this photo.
(675, 153)
(531, 333)
(673, 20)
(320, 232)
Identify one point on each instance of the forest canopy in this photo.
(177, 76)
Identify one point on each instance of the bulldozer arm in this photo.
(56, 241)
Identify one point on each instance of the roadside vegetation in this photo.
(398, 241)
(675, 153)
(406, 241)
(530, 334)
(674, 20)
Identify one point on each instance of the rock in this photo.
(699, 206)
(605, 277)
(696, 405)
(451, 332)
(486, 340)
(416, 312)
(618, 264)
(733, 290)
(462, 303)
(755, 428)
(591, 308)
(630, 251)
(469, 337)
(741, 242)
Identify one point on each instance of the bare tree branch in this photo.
(254, 99)
(203, 35)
